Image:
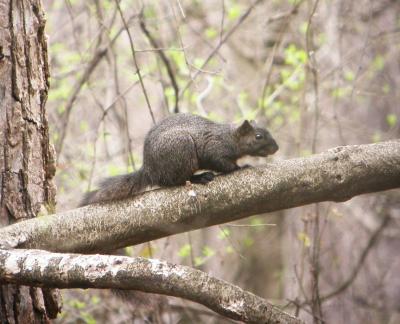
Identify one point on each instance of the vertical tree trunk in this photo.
(27, 163)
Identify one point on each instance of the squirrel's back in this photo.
(192, 124)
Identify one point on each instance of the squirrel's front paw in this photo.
(246, 166)
(202, 178)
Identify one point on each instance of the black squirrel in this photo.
(178, 146)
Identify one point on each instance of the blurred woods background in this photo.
(318, 74)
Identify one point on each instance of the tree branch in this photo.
(336, 175)
(155, 43)
(44, 269)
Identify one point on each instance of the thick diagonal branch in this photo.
(44, 269)
(336, 175)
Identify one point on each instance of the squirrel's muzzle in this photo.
(268, 149)
(272, 147)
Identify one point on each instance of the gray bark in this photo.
(27, 163)
(40, 268)
(336, 175)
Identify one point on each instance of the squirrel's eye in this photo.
(259, 136)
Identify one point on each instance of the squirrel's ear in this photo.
(245, 128)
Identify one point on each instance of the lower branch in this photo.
(45, 269)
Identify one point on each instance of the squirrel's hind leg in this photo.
(172, 159)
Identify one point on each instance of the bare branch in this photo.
(135, 61)
(154, 42)
(100, 53)
(371, 242)
(221, 42)
(336, 175)
(44, 269)
(374, 238)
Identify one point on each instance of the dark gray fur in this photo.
(180, 145)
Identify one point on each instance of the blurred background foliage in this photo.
(317, 73)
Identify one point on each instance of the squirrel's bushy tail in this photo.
(116, 188)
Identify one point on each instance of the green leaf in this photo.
(378, 63)
(207, 251)
(215, 117)
(84, 126)
(88, 318)
(376, 137)
(75, 303)
(294, 2)
(149, 12)
(211, 32)
(242, 100)
(107, 5)
(114, 170)
(256, 221)
(278, 121)
(169, 93)
(349, 75)
(257, 224)
(340, 92)
(224, 233)
(198, 261)
(59, 91)
(322, 39)
(305, 153)
(295, 56)
(303, 27)
(248, 241)
(147, 251)
(184, 251)
(234, 12)
(61, 109)
(386, 88)
(391, 119)
(129, 251)
(198, 62)
(57, 48)
(294, 114)
(285, 74)
(95, 300)
(304, 238)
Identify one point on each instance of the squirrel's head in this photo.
(254, 140)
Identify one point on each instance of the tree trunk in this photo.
(27, 163)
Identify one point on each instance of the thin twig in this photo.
(90, 67)
(278, 42)
(164, 59)
(348, 282)
(371, 243)
(125, 110)
(316, 305)
(135, 60)
(249, 225)
(221, 30)
(181, 42)
(312, 64)
(224, 39)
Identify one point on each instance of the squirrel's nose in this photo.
(274, 147)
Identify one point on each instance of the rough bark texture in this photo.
(40, 268)
(335, 175)
(26, 161)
